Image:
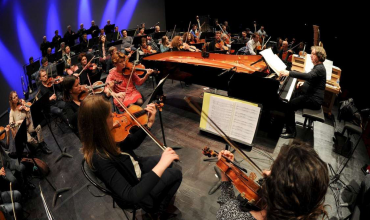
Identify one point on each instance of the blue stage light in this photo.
(124, 17)
(11, 69)
(84, 14)
(52, 23)
(109, 13)
(27, 43)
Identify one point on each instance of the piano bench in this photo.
(311, 116)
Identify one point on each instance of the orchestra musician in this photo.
(244, 39)
(69, 36)
(294, 188)
(94, 29)
(91, 70)
(112, 50)
(101, 33)
(150, 42)
(194, 31)
(146, 49)
(279, 43)
(176, 44)
(299, 48)
(250, 46)
(103, 52)
(218, 43)
(17, 114)
(84, 45)
(116, 34)
(227, 27)
(57, 39)
(44, 46)
(157, 29)
(107, 29)
(48, 55)
(67, 59)
(188, 38)
(286, 55)
(147, 182)
(131, 95)
(62, 48)
(314, 89)
(81, 32)
(141, 32)
(165, 44)
(127, 41)
(262, 31)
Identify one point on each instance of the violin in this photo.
(51, 81)
(26, 106)
(139, 69)
(123, 122)
(148, 50)
(96, 88)
(245, 185)
(221, 46)
(2, 130)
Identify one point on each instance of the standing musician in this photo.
(17, 114)
(262, 31)
(286, 55)
(165, 44)
(69, 36)
(314, 87)
(107, 30)
(94, 29)
(147, 182)
(250, 46)
(84, 45)
(244, 39)
(127, 41)
(54, 92)
(126, 91)
(103, 54)
(218, 44)
(44, 46)
(57, 39)
(91, 70)
(295, 188)
(67, 59)
(81, 32)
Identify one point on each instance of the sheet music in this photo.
(328, 64)
(273, 60)
(238, 120)
(221, 112)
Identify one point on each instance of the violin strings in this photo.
(160, 145)
(222, 134)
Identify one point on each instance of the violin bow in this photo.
(222, 133)
(86, 66)
(187, 33)
(11, 197)
(266, 42)
(173, 32)
(159, 144)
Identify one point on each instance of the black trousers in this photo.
(161, 195)
(289, 108)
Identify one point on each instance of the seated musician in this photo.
(146, 49)
(17, 114)
(44, 66)
(294, 188)
(299, 48)
(262, 31)
(127, 41)
(151, 42)
(250, 46)
(112, 50)
(157, 29)
(286, 55)
(54, 92)
(48, 54)
(244, 39)
(103, 55)
(227, 27)
(81, 32)
(147, 182)
(116, 34)
(314, 85)
(90, 71)
(67, 58)
(141, 32)
(165, 44)
(279, 43)
(101, 33)
(62, 48)
(217, 44)
(194, 31)
(126, 90)
(176, 44)
(188, 38)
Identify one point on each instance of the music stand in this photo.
(130, 32)
(153, 97)
(39, 110)
(21, 144)
(159, 35)
(58, 55)
(137, 40)
(149, 31)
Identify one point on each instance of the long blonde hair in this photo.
(93, 128)
(12, 105)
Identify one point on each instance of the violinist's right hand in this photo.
(53, 97)
(2, 171)
(128, 49)
(7, 128)
(168, 156)
(120, 94)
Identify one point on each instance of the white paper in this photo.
(308, 65)
(238, 120)
(273, 60)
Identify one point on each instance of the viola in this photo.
(123, 122)
(96, 88)
(247, 187)
(2, 130)
(221, 46)
(139, 69)
(51, 81)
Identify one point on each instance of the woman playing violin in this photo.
(145, 48)
(147, 182)
(17, 115)
(91, 70)
(295, 188)
(188, 38)
(131, 95)
(165, 44)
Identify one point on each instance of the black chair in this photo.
(96, 182)
(311, 116)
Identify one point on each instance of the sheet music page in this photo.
(221, 112)
(308, 65)
(328, 64)
(244, 122)
(273, 60)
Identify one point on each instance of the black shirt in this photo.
(71, 113)
(243, 41)
(56, 42)
(50, 91)
(69, 38)
(94, 30)
(316, 81)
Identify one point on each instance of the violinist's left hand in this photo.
(227, 154)
(152, 111)
(266, 173)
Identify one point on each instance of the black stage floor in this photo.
(181, 129)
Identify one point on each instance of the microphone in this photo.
(227, 71)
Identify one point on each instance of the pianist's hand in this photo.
(299, 84)
(284, 73)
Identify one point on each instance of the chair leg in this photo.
(134, 214)
(305, 122)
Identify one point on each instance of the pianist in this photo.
(313, 96)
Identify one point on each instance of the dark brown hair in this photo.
(68, 84)
(297, 185)
(80, 56)
(95, 135)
